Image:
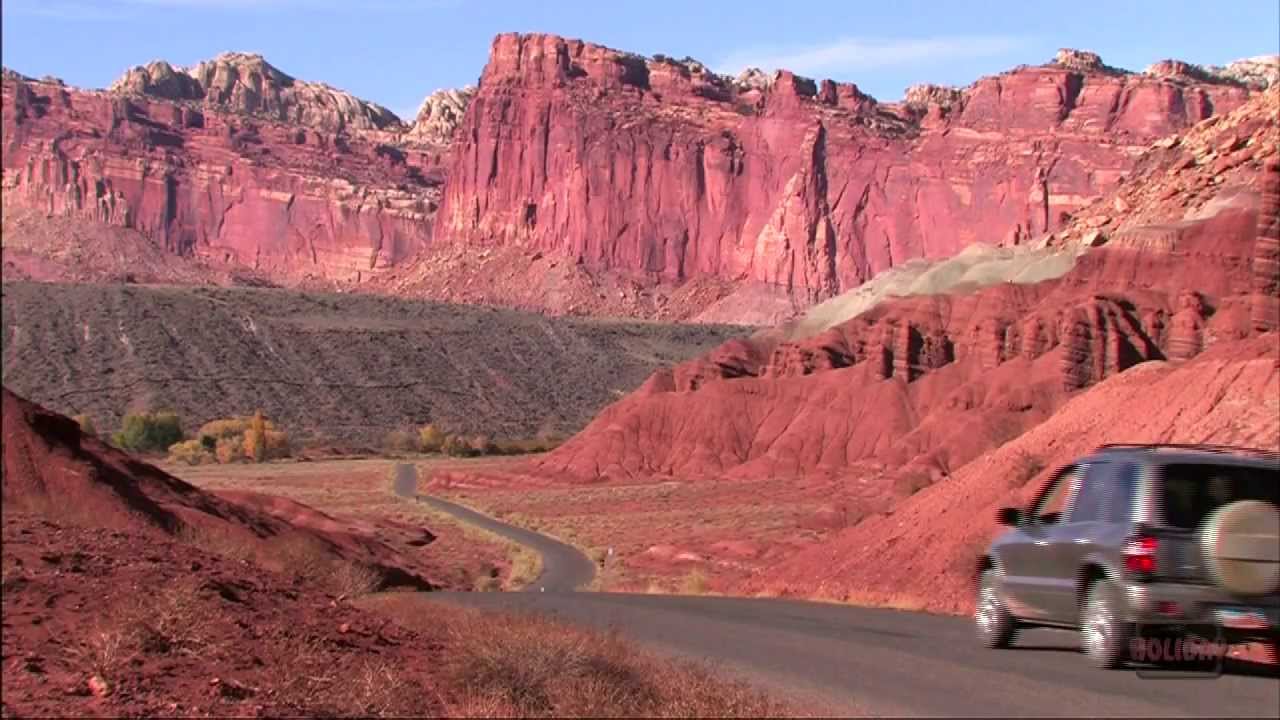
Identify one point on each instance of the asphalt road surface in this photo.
(564, 567)
(869, 660)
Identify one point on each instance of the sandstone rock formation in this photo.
(916, 379)
(246, 83)
(440, 113)
(654, 169)
(290, 199)
(1266, 256)
(657, 187)
(1258, 72)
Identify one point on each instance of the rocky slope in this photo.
(648, 187)
(925, 552)
(53, 470)
(1183, 259)
(334, 368)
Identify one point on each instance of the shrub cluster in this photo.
(148, 431)
(251, 438)
(431, 438)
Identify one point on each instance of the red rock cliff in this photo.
(256, 174)
(663, 168)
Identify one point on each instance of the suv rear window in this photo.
(1193, 491)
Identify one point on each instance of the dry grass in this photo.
(526, 566)
(512, 665)
(1025, 467)
(223, 542)
(307, 559)
(169, 621)
(694, 583)
(860, 598)
(105, 653)
(376, 689)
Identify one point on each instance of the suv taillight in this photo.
(1140, 555)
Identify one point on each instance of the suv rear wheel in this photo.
(995, 624)
(1104, 631)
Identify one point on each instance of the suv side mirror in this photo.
(1009, 516)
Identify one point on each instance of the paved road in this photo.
(564, 567)
(874, 661)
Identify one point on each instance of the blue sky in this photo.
(396, 51)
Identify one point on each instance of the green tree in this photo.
(149, 432)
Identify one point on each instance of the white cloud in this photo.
(850, 55)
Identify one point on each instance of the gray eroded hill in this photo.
(345, 368)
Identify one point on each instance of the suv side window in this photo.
(1124, 492)
(1049, 508)
(1091, 500)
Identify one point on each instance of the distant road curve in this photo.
(564, 567)
(862, 661)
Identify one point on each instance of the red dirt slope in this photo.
(52, 468)
(924, 552)
(112, 623)
(920, 386)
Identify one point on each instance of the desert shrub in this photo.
(509, 665)
(695, 583)
(252, 437)
(149, 432)
(255, 438)
(308, 559)
(350, 580)
(278, 444)
(457, 446)
(910, 483)
(400, 441)
(224, 428)
(191, 452)
(86, 424)
(430, 438)
(1025, 467)
(526, 445)
(229, 450)
(482, 445)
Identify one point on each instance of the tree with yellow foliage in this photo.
(255, 438)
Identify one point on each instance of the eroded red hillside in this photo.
(54, 470)
(924, 553)
(918, 387)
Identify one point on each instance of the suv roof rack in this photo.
(1200, 447)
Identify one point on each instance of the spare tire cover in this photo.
(1241, 544)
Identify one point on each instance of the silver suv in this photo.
(1140, 536)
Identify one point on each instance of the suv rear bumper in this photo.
(1181, 603)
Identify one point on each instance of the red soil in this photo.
(52, 468)
(926, 548)
(111, 623)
